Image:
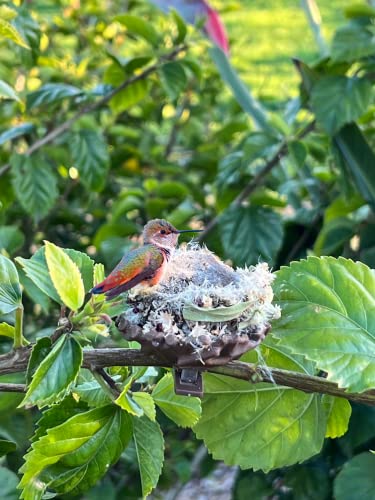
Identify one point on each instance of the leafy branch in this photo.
(59, 130)
(258, 179)
(17, 361)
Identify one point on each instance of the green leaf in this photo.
(36, 270)
(243, 95)
(338, 411)
(8, 481)
(130, 96)
(149, 446)
(352, 42)
(39, 352)
(181, 27)
(55, 374)
(92, 393)
(173, 78)
(90, 156)
(140, 27)
(358, 159)
(308, 482)
(11, 238)
(6, 447)
(15, 132)
(184, 411)
(193, 312)
(8, 31)
(261, 426)
(65, 276)
(34, 184)
(73, 456)
(145, 401)
(50, 93)
(10, 291)
(84, 264)
(126, 402)
(6, 330)
(337, 100)
(356, 479)
(57, 414)
(328, 316)
(333, 235)
(250, 233)
(6, 91)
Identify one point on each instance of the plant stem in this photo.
(311, 9)
(102, 378)
(18, 329)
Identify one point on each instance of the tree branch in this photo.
(257, 180)
(16, 361)
(56, 132)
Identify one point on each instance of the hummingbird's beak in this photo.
(190, 231)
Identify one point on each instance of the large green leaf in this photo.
(358, 158)
(36, 270)
(11, 238)
(90, 156)
(140, 27)
(250, 233)
(352, 42)
(261, 426)
(356, 479)
(337, 100)
(73, 456)
(55, 374)
(173, 78)
(50, 93)
(149, 446)
(184, 411)
(65, 276)
(328, 316)
(10, 291)
(338, 411)
(240, 92)
(34, 184)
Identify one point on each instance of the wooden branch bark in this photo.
(56, 132)
(16, 361)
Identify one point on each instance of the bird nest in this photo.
(203, 312)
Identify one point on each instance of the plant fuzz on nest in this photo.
(203, 311)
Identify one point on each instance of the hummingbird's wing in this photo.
(136, 266)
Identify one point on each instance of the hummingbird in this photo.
(146, 264)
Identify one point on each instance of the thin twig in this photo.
(12, 388)
(257, 180)
(56, 132)
(16, 361)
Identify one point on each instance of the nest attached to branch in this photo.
(203, 312)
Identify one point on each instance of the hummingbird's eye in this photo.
(163, 231)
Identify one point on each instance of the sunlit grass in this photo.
(266, 34)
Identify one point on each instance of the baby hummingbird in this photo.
(146, 264)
